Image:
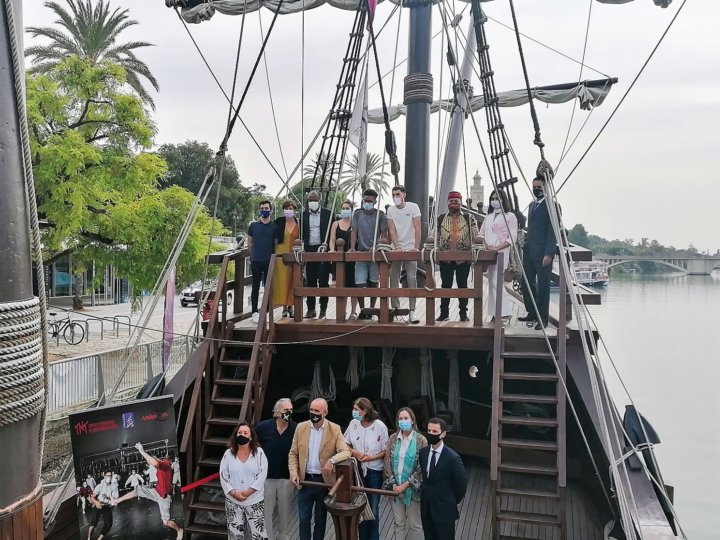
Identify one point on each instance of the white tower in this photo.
(477, 191)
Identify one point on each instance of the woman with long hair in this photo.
(499, 231)
(341, 229)
(288, 231)
(403, 475)
(243, 470)
(367, 437)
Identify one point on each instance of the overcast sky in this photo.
(653, 173)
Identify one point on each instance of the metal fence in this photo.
(77, 383)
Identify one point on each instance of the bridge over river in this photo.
(694, 266)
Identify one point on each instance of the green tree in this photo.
(579, 236)
(374, 178)
(189, 162)
(97, 184)
(91, 32)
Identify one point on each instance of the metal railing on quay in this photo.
(78, 383)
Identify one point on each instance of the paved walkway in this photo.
(116, 335)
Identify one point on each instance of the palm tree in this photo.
(374, 177)
(91, 32)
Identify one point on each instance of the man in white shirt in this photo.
(405, 234)
(134, 480)
(151, 473)
(315, 228)
(100, 498)
(175, 466)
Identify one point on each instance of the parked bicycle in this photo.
(72, 332)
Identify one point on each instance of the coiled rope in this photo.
(22, 375)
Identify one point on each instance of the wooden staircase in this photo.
(528, 447)
(228, 389)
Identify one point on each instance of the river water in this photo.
(663, 332)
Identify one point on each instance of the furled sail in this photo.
(590, 96)
(197, 11)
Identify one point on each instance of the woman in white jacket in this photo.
(499, 231)
(242, 475)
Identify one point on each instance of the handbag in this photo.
(367, 513)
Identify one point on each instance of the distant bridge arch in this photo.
(689, 265)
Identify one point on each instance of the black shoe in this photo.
(464, 317)
(443, 317)
(527, 318)
(310, 314)
(540, 326)
(322, 313)
(362, 316)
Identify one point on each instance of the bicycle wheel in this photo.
(74, 333)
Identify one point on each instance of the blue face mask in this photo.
(356, 415)
(345, 214)
(405, 425)
(368, 206)
(264, 213)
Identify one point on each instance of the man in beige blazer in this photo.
(317, 446)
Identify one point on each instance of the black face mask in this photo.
(432, 438)
(315, 418)
(242, 440)
(287, 416)
(538, 192)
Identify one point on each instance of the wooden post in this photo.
(430, 284)
(297, 283)
(340, 301)
(239, 289)
(384, 282)
(478, 301)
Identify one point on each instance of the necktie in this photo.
(433, 462)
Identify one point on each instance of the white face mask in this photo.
(289, 213)
(108, 479)
(397, 200)
(495, 204)
(313, 206)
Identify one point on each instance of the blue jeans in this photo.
(309, 497)
(370, 530)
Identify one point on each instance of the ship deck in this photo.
(462, 335)
(583, 520)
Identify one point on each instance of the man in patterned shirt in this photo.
(456, 230)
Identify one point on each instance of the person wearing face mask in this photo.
(499, 231)
(368, 225)
(405, 232)
(315, 228)
(288, 231)
(538, 254)
(444, 482)
(455, 232)
(275, 436)
(101, 497)
(342, 229)
(403, 475)
(367, 436)
(262, 237)
(243, 470)
(317, 446)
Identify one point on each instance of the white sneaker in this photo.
(412, 318)
(256, 317)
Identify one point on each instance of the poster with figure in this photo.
(127, 471)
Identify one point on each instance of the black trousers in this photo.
(460, 272)
(434, 530)
(259, 270)
(316, 275)
(106, 513)
(538, 277)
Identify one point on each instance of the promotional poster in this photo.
(127, 471)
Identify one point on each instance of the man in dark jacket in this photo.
(315, 227)
(444, 484)
(538, 254)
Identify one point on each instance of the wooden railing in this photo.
(219, 328)
(480, 260)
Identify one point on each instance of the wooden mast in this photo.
(21, 494)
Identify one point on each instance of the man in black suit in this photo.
(538, 255)
(444, 482)
(315, 227)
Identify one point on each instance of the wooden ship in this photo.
(548, 452)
